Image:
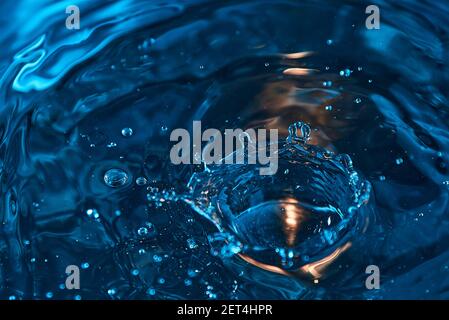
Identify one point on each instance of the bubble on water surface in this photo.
(115, 178)
(127, 132)
(141, 181)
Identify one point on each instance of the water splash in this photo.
(69, 94)
(277, 223)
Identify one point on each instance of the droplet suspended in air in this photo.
(127, 132)
(298, 132)
(115, 178)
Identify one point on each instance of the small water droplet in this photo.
(135, 272)
(191, 243)
(298, 127)
(142, 231)
(399, 161)
(141, 181)
(92, 213)
(345, 73)
(127, 132)
(328, 108)
(112, 291)
(151, 292)
(115, 178)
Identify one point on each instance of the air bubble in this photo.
(115, 178)
(141, 181)
(127, 132)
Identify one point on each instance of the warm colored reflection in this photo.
(315, 269)
(297, 55)
(263, 266)
(297, 71)
(292, 219)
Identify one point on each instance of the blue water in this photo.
(86, 178)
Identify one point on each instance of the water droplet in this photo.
(164, 129)
(191, 243)
(49, 295)
(146, 230)
(141, 181)
(329, 42)
(358, 100)
(127, 132)
(92, 213)
(328, 108)
(111, 145)
(298, 127)
(345, 73)
(399, 161)
(142, 231)
(135, 272)
(151, 292)
(112, 291)
(115, 178)
(85, 265)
